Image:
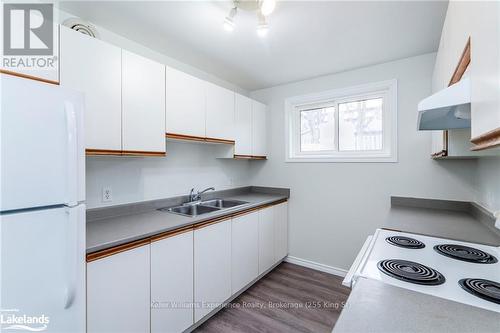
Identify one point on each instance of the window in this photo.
(356, 124)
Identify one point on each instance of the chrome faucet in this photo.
(197, 196)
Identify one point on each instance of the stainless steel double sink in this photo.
(203, 207)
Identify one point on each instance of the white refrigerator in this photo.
(42, 207)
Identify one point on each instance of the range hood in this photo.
(446, 109)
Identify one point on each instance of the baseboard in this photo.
(316, 266)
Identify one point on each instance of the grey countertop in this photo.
(445, 223)
(374, 306)
(144, 220)
(377, 307)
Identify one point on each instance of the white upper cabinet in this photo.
(185, 104)
(245, 250)
(212, 267)
(266, 239)
(94, 67)
(220, 112)
(118, 292)
(172, 283)
(485, 70)
(143, 104)
(259, 129)
(243, 125)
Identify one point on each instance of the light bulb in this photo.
(267, 7)
(229, 20)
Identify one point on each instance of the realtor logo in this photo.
(28, 29)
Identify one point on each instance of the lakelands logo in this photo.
(28, 36)
(11, 320)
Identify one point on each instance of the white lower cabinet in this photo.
(244, 250)
(212, 267)
(169, 284)
(172, 283)
(266, 239)
(118, 292)
(280, 231)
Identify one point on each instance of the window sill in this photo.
(343, 159)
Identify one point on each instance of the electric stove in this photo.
(459, 271)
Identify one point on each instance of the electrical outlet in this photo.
(107, 194)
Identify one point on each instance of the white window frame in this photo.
(385, 89)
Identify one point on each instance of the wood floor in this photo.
(290, 298)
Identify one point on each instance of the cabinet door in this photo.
(259, 131)
(220, 112)
(243, 125)
(212, 267)
(266, 239)
(185, 104)
(172, 283)
(94, 67)
(485, 68)
(118, 292)
(244, 250)
(143, 104)
(280, 231)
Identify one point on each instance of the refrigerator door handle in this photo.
(72, 154)
(72, 256)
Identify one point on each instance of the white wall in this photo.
(334, 206)
(187, 165)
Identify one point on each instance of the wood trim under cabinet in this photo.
(101, 152)
(143, 153)
(487, 140)
(116, 249)
(29, 77)
(184, 137)
(223, 141)
(462, 65)
(249, 157)
(106, 152)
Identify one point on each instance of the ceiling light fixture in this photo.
(229, 20)
(267, 7)
(262, 27)
(261, 7)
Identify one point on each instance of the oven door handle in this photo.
(358, 262)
